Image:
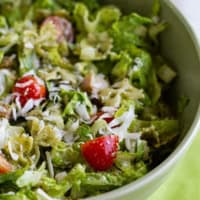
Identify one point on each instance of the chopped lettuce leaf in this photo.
(120, 70)
(166, 74)
(72, 98)
(92, 5)
(7, 79)
(14, 10)
(44, 135)
(124, 160)
(52, 188)
(121, 90)
(139, 73)
(64, 155)
(8, 131)
(1, 56)
(155, 30)
(26, 63)
(96, 46)
(125, 105)
(40, 9)
(130, 31)
(3, 22)
(31, 178)
(20, 148)
(75, 177)
(12, 176)
(84, 133)
(157, 132)
(95, 182)
(104, 18)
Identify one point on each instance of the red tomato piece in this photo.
(63, 26)
(101, 152)
(29, 87)
(5, 166)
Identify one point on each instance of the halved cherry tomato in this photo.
(29, 87)
(100, 152)
(63, 27)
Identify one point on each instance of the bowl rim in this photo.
(184, 144)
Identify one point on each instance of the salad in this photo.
(83, 98)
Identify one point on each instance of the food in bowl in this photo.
(83, 99)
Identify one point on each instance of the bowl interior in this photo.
(181, 49)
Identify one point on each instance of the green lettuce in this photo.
(23, 194)
(21, 148)
(31, 178)
(103, 19)
(122, 90)
(130, 31)
(27, 57)
(143, 74)
(8, 37)
(7, 80)
(51, 50)
(120, 70)
(97, 182)
(43, 134)
(11, 177)
(71, 98)
(131, 168)
(157, 132)
(96, 46)
(84, 132)
(52, 188)
(166, 74)
(92, 5)
(14, 10)
(64, 155)
(41, 9)
(50, 109)
(155, 30)
(140, 71)
(125, 105)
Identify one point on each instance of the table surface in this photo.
(184, 181)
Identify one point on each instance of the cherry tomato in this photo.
(101, 152)
(29, 87)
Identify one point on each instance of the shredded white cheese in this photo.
(25, 84)
(109, 109)
(13, 155)
(119, 126)
(3, 132)
(49, 164)
(81, 110)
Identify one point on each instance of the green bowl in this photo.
(182, 49)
